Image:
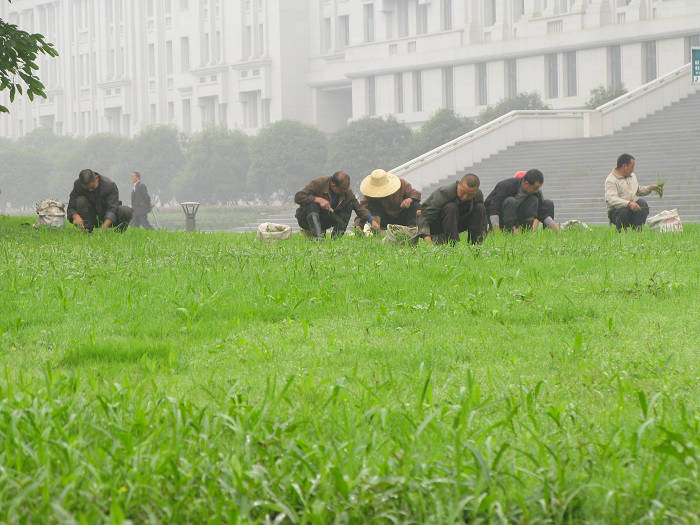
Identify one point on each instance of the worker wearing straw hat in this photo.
(389, 199)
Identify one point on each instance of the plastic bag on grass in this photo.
(666, 221)
(269, 232)
(50, 213)
(397, 234)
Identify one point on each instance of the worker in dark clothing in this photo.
(452, 209)
(328, 202)
(518, 202)
(94, 202)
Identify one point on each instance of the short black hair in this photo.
(339, 177)
(624, 159)
(138, 175)
(471, 180)
(533, 177)
(86, 177)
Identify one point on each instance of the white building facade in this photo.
(127, 64)
(242, 64)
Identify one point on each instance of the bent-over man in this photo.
(389, 199)
(518, 202)
(622, 192)
(140, 202)
(94, 201)
(452, 209)
(328, 202)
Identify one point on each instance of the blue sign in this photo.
(695, 64)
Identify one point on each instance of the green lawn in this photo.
(208, 378)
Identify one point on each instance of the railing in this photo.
(516, 126)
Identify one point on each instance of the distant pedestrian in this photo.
(94, 202)
(328, 202)
(140, 202)
(518, 202)
(622, 192)
(453, 209)
(389, 199)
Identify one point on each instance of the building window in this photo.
(421, 19)
(648, 61)
(169, 57)
(185, 53)
(489, 12)
(690, 42)
(150, 6)
(518, 9)
(151, 60)
(343, 32)
(448, 87)
(326, 36)
(417, 91)
(402, 18)
(184, 5)
(171, 112)
(368, 12)
(154, 114)
(260, 42)
(551, 66)
(482, 85)
(614, 67)
(186, 116)
(571, 81)
(398, 93)
(247, 40)
(446, 15)
(371, 97)
(204, 49)
(511, 74)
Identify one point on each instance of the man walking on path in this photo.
(140, 202)
(94, 201)
(622, 192)
(389, 199)
(328, 202)
(518, 202)
(453, 209)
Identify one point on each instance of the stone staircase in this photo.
(666, 143)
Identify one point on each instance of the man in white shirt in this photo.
(622, 192)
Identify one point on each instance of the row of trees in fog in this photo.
(219, 165)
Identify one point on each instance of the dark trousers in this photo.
(338, 220)
(625, 217)
(453, 222)
(407, 217)
(141, 221)
(522, 212)
(88, 213)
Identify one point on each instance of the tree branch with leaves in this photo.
(18, 54)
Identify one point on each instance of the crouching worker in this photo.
(94, 202)
(453, 209)
(518, 202)
(622, 191)
(328, 202)
(389, 199)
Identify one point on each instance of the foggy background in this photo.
(232, 102)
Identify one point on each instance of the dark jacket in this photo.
(392, 203)
(506, 188)
(105, 199)
(321, 187)
(140, 200)
(431, 210)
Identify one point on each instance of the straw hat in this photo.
(380, 184)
